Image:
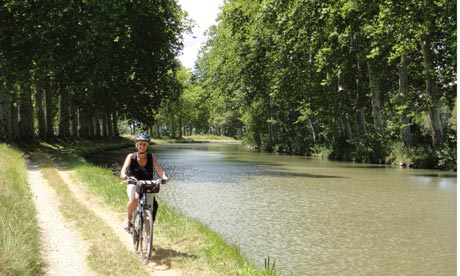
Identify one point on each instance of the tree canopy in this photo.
(355, 76)
(87, 63)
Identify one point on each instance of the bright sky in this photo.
(204, 13)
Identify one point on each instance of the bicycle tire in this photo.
(145, 239)
(135, 230)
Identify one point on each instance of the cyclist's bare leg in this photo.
(131, 206)
(133, 200)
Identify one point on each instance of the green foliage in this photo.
(366, 149)
(305, 73)
(370, 148)
(98, 57)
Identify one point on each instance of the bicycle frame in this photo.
(142, 221)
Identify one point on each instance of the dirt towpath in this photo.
(64, 250)
(159, 266)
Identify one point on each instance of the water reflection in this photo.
(317, 217)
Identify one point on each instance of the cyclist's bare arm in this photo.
(159, 170)
(125, 167)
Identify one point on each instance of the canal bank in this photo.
(182, 243)
(316, 216)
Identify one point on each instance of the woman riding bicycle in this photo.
(140, 164)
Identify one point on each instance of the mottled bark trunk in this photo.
(83, 121)
(41, 121)
(91, 125)
(14, 122)
(5, 117)
(173, 126)
(432, 93)
(312, 127)
(158, 131)
(97, 125)
(49, 104)
(64, 113)
(180, 127)
(360, 105)
(116, 132)
(375, 98)
(341, 96)
(105, 130)
(74, 121)
(26, 114)
(109, 124)
(406, 135)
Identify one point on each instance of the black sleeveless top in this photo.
(139, 172)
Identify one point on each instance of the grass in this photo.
(194, 248)
(19, 233)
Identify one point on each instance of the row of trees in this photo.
(352, 75)
(74, 68)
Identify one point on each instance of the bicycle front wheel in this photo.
(135, 229)
(145, 240)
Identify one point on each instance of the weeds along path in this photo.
(160, 264)
(63, 249)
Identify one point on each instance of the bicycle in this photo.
(142, 219)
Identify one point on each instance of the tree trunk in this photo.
(360, 105)
(39, 109)
(97, 125)
(433, 111)
(14, 122)
(158, 130)
(173, 127)
(341, 91)
(64, 114)
(84, 126)
(26, 114)
(5, 117)
(91, 120)
(270, 127)
(312, 127)
(116, 132)
(375, 99)
(406, 135)
(74, 132)
(49, 110)
(109, 124)
(180, 127)
(104, 125)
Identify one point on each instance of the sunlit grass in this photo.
(19, 234)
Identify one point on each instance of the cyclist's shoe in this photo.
(127, 226)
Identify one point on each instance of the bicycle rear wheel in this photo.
(145, 238)
(135, 230)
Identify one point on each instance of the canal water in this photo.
(315, 217)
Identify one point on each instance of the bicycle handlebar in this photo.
(134, 181)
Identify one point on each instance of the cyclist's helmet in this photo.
(142, 137)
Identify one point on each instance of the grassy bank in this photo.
(19, 234)
(201, 251)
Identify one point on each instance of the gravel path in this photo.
(63, 249)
